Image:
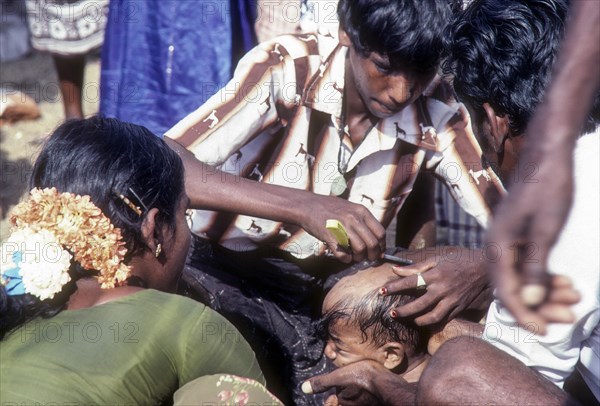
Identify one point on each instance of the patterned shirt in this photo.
(279, 121)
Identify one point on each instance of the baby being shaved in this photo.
(357, 322)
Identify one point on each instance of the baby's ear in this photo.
(393, 354)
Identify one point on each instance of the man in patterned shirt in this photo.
(356, 118)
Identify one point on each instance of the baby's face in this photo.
(346, 345)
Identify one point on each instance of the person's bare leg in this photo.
(70, 75)
(469, 370)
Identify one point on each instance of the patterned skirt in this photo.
(66, 27)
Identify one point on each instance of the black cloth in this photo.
(275, 300)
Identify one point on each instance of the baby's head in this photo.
(358, 325)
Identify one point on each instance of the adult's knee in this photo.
(449, 372)
(469, 370)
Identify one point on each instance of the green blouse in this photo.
(135, 350)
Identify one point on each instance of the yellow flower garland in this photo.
(80, 227)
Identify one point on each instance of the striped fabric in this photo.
(453, 225)
(279, 119)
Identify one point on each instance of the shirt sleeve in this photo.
(458, 164)
(263, 88)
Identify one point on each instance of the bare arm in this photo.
(534, 213)
(211, 189)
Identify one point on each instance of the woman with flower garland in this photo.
(84, 317)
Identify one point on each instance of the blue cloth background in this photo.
(162, 59)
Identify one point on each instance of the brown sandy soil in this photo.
(20, 142)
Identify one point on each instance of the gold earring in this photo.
(158, 250)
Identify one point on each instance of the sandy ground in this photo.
(20, 142)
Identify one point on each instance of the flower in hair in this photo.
(79, 227)
(35, 263)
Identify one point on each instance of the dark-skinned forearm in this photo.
(211, 189)
(395, 391)
(575, 81)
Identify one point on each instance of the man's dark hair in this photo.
(502, 53)
(370, 314)
(408, 32)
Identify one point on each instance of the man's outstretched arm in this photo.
(211, 189)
